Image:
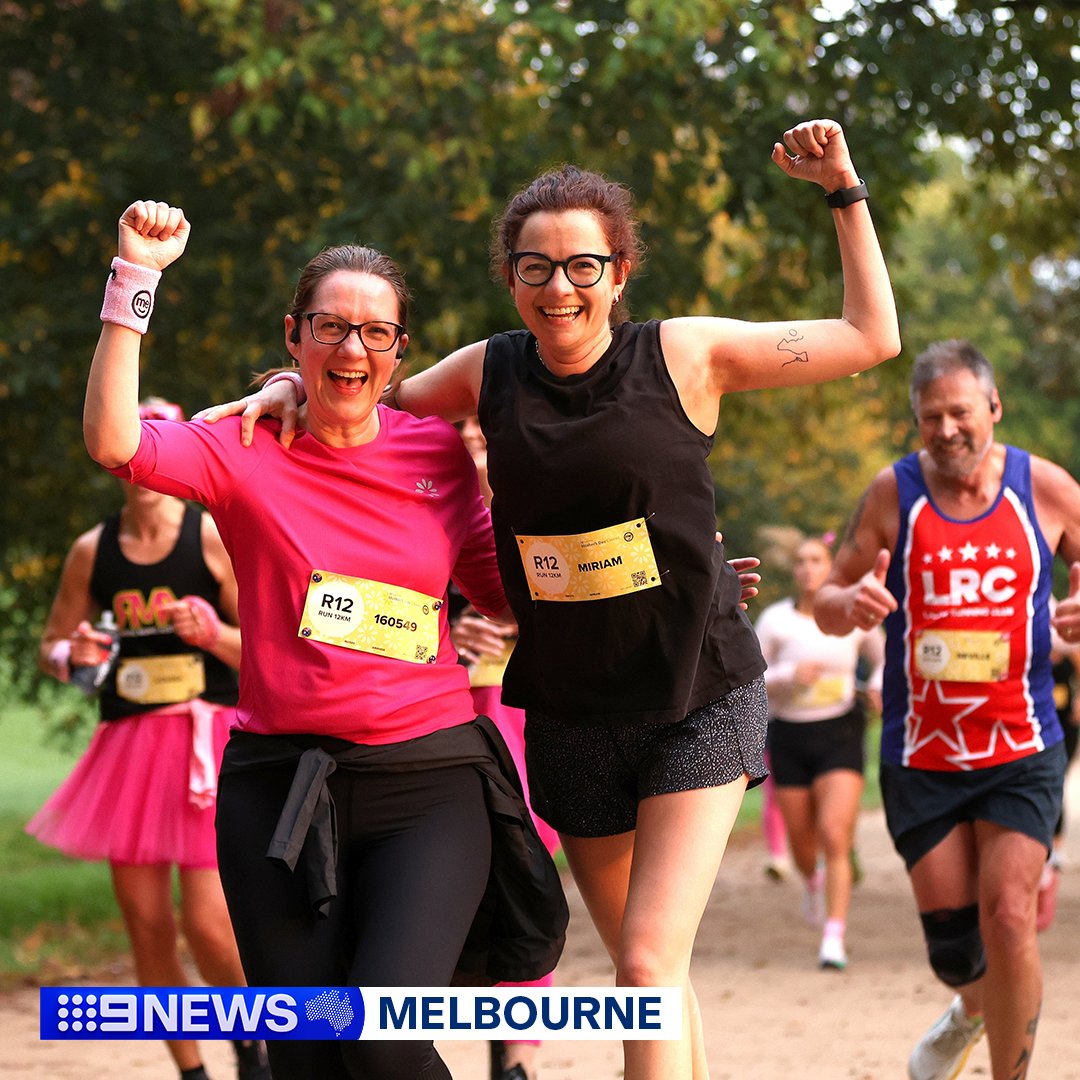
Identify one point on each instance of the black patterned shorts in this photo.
(587, 780)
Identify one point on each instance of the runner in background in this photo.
(143, 795)
(817, 731)
(1065, 659)
(773, 830)
(485, 646)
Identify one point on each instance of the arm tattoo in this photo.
(853, 525)
(798, 356)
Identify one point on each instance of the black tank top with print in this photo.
(152, 657)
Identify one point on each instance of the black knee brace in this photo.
(955, 944)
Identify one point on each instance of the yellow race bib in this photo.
(371, 617)
(489, 670)
(590, 566)
(161, 680)
(962, 655)
(823, 692)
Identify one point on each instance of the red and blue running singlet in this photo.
(967, 660)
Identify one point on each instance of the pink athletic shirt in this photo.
(404, 509)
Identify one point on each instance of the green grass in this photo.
(57, 915)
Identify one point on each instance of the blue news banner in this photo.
(339, 1012)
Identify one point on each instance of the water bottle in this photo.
(89, 677)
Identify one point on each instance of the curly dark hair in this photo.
(570, 188)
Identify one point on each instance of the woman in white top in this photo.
(816, 740)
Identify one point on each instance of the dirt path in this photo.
(769, 1013)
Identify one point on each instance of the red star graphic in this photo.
(939, 721)
(986, 735)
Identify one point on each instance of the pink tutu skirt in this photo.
(144, 793)
(487, 700)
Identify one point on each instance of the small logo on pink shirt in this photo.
(427, 487)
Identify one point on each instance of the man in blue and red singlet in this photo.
(951, 548)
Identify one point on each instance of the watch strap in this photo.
(846, 196)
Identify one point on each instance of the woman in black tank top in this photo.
(143, 795)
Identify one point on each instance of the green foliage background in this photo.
(282, 125)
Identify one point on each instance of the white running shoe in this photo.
(940, 1054)
(778, 868)
(832, 956)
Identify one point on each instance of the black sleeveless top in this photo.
(572, 455)
(135, 592)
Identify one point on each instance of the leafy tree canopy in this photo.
(283, 125)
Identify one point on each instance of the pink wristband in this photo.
(295, 379)
(129, 295)
(60, 658)
(209, 622)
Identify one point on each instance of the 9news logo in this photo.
(338, 1012)
(304, 1012)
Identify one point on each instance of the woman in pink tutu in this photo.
(143, 795)
(485, 645)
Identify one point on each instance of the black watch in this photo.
(848, 195)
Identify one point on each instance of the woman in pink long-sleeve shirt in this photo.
(352, 703)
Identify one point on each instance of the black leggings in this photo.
(414, 851)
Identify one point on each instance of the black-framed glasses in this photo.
(330, 329)
(583, 270)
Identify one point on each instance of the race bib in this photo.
(828, 690)
(161, 680)
(371, 617)
(489, 670)
(962, 655)
(590, 566)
